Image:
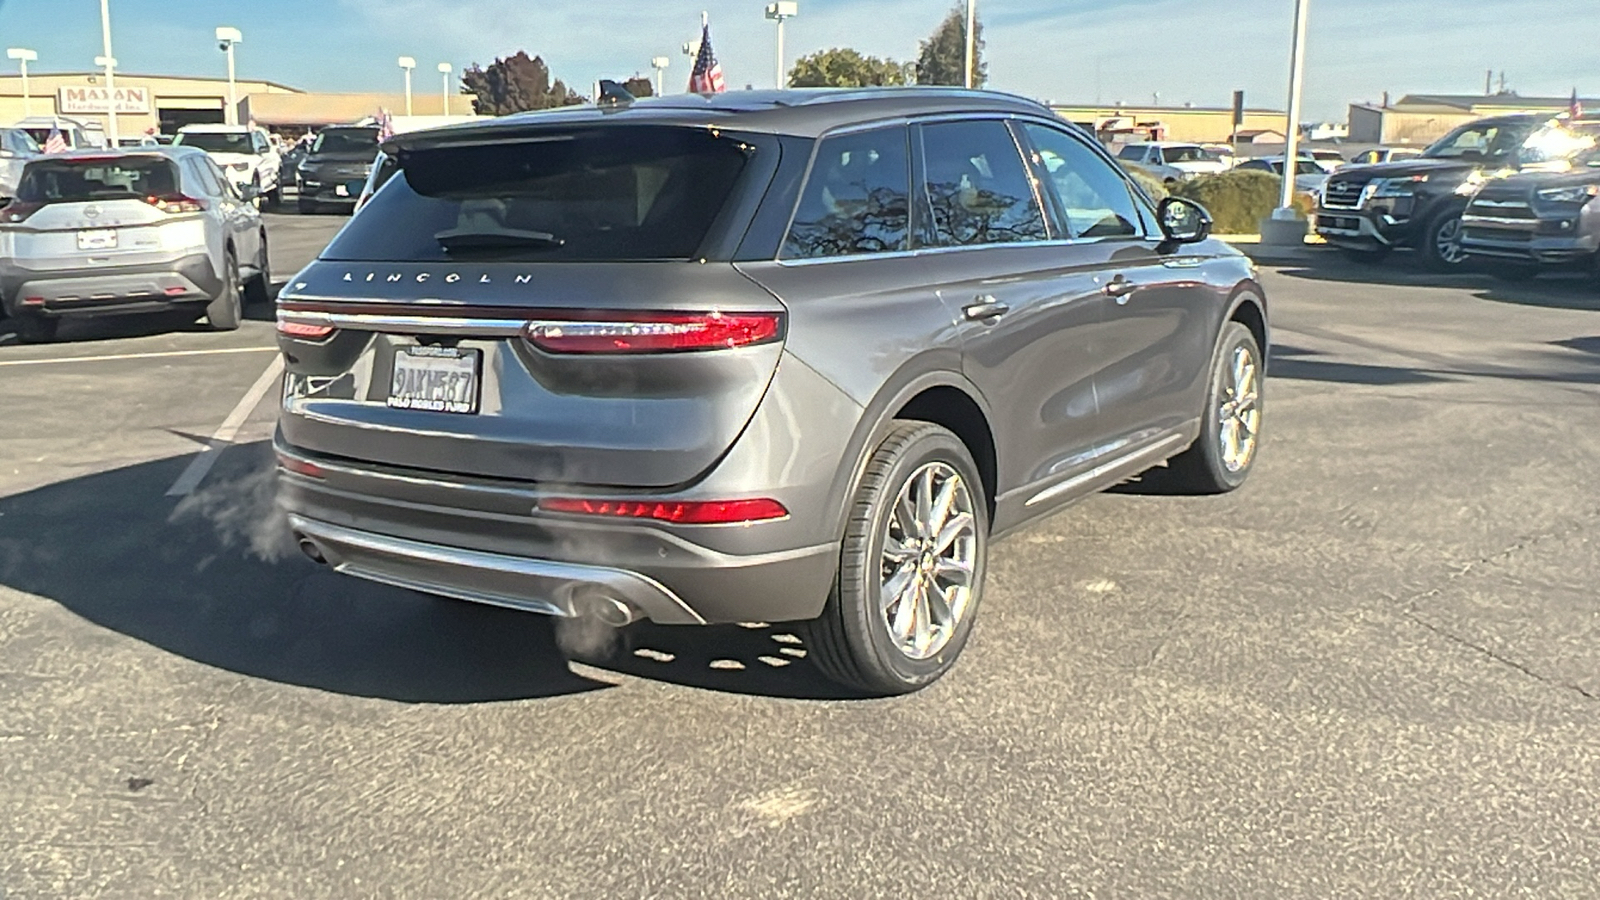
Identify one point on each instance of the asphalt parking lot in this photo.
(1375, 671)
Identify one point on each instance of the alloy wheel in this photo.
(929, 555)
(1239, 413)
(1447, 242)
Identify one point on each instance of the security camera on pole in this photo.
(226, 39)
(778, 12)
(660, 64)
(445, 69)
(408, 63)
(109, 62)
(24, 56)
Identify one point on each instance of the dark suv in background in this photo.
(1368, 211)
(1516, 227)
(336, 167)
(755, 357)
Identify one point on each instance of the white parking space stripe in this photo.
(116, 356)
(207, 457)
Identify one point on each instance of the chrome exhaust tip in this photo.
(311, 551)
(605, 609)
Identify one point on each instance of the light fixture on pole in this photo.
(660, 64)
(110, 63)
(444, 70)
(226, 39)
(778, 12)
(972, 40)
(1284, 225)
(23, 57)
(407, 63)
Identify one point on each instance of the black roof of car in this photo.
(801, 113)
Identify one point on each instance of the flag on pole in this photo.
(385, 126)
(1576, 109)
(55, 143)
(707, 75)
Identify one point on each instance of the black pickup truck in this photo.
(1516, 227)
(1367, 211)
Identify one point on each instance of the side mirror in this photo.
(1183, 221)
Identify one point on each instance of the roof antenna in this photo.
(613, 95)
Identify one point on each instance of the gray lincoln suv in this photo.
(767, 357)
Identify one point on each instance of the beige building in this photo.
(1421, 119)
(143, 102)
(293, 113)
(1208, 125)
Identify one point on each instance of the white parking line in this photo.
(155, 355)
(207, 457)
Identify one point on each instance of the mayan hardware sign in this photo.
(78, 100)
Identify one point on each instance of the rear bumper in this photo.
(486, 543)
(109, 290)
(326, 193)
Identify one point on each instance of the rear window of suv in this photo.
(601, 195)
(346, 140)
(83, 180)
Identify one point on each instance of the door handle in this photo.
(985, 309)
(1119, 287)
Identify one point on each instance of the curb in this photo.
(1274, 254)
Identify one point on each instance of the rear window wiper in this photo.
(494, 237)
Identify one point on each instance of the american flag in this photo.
(55, 143)
(385, 126)
(707, 75)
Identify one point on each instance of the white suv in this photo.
(246, 154)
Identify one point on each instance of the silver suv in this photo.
(755, 357)
(102, 232)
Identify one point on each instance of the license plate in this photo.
(436, 379)
(98, 239)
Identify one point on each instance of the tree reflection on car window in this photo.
(1092, 196)
(856, 200)
(976, 186)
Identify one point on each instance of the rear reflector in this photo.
(690, 512)
(301, 466)
(610, 331)
(304, 330)
(175, 291)
(33, 301)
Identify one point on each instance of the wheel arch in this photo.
(1247, 306)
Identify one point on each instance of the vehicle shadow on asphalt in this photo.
(215, 578)
(84, 330)
(1559, 290)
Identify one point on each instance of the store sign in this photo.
(78, 100)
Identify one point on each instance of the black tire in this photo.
(1365, 257)
(258, 291)
(1434, 255)
(36, 329)
(1203, 468)
(227, 311)
(274, 198)
(851, 641)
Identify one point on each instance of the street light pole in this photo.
(1297, 72)
(23, 57)
(778, 12)
(407, 63)
(226, 39)
(660, 64)
(972, 40)
(445, 70)
(110, 62)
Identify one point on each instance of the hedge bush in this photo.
(1151, 184)
(1238, 201)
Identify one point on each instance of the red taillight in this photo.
(304, 330)
(650, 332)
(684, 512)
(19, 210)
(301, 466)
(176, 205)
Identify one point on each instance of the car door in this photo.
(1028, 312)
(1154, 318)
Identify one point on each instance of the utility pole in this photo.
(408, 63)
(23, 56)
(778, 12)
(445, 69)
(1297, 76)
(110, 62)
(226, 39)
(972, 41)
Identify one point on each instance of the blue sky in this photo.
(1068, 51)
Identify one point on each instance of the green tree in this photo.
(943, 58)
(515, 84)
(639, 86)
(844, 67)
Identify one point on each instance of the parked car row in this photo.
(1515, 192)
